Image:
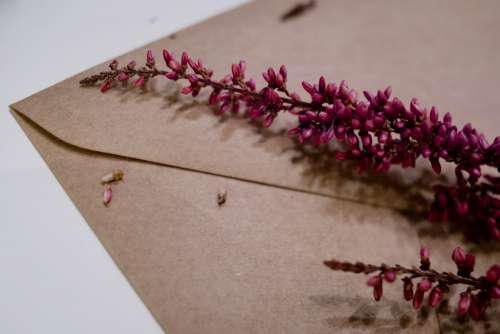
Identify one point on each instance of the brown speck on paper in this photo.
(221, 197)
(298, 10)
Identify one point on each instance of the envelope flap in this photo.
(416, 49)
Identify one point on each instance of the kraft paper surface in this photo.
(254, 264)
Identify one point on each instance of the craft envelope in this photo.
(254, 264)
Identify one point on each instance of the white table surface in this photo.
(55, 276)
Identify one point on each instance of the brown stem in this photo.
(433, 275)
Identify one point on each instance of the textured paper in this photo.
(423, 49)
(254, 264)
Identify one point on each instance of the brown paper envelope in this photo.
(446, 53)
(254, 264)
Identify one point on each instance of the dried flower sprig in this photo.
(107, 180)
(378, 132)
(114, 176)
(474, 300)
(107, 195)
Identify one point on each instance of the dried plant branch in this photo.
(378, 132)
(475, 299)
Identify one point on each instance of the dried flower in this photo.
(475, 300)
(114, 176)
(408, 288)
(463, 303)
(465, 262)
(435, 296)
(376, 282)
(107, 196)
(425, 262)
(377, 132)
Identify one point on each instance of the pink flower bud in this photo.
(330, 91)
(243, 66)
(311, 115)
(435, 296)
(279, 80)
(317, 98)
(470, 261)
(378, 292)
(355, 123)
(390, 276)
(415, 107)
(196, 66)
(140, 82)
(373, 280)
(447, 118)
(424, 285)
(306, 133)
(376, 283)
(436, 166)
(187, 90)
(425, 262)
(173, 65)
(235, 69)
(150, 60)
(193, 79)
(324, 117)
(461, 207)
(368, 96)
(272, 74)
(474, 310)
(388, 91)
(369, 125)
(493, 273)
(167, 56)
(465, 262)
(212, 100)
(343, 89)
(113, 65)
(495, 292)
(483, 143)
(107, 196)
(184, 59)
(283, 72)
(381, 97)
(408, 288)
(251, 84)
(122, 76)
(322, 84)
(268, 120)
(131, 65)
(366, 140)
(105, 86)
(434, 115)
(172, 76)
(417, 299)
(458, 255)
(308, 87)
(463, 303)
(426, 152)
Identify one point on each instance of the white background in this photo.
(55, 277)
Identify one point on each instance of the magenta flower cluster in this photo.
(378, 132)
(474, 300)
